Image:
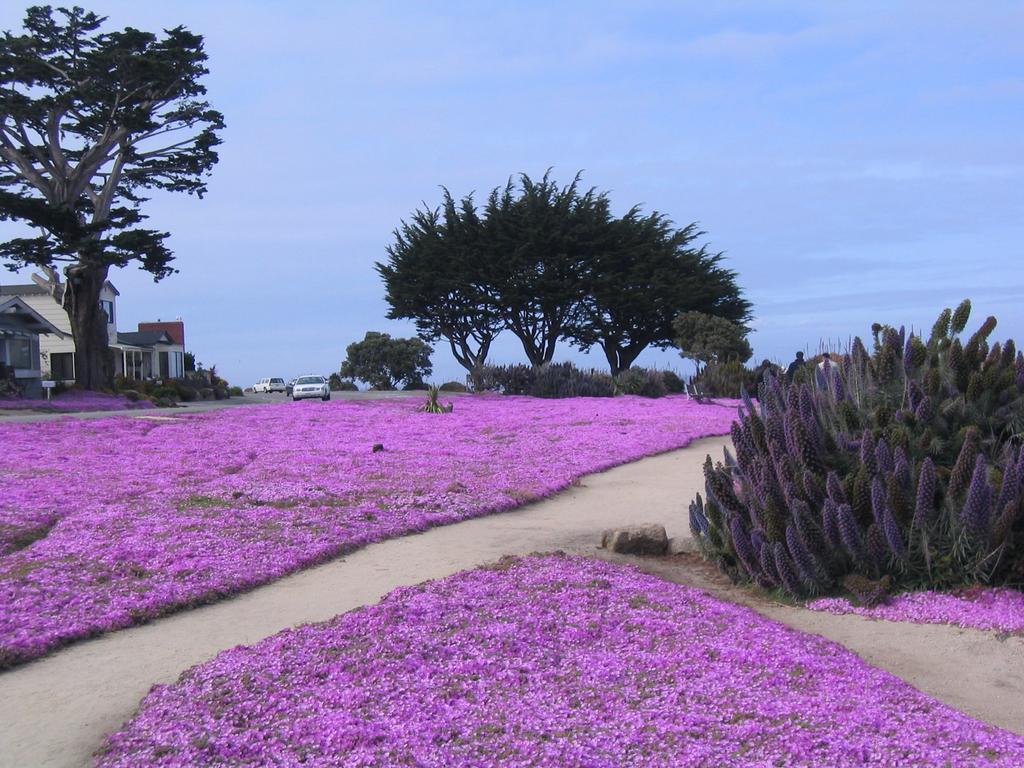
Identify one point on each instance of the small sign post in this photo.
(48, 386)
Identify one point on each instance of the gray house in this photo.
(20, 329)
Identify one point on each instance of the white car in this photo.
(311, 386)
(269, 385)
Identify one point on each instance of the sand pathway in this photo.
(55, 711)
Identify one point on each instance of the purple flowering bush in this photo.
(111, 522)
(995, 608)
(900, 467)
(74, 402)
(548, 661)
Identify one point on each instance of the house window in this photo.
(108, 307)
(24, 353)
(177, 364)
(62, 366)
(133, 364)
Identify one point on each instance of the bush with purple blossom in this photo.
(903, 462)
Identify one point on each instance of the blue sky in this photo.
(855, 161)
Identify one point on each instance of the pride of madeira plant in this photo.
(902, 467)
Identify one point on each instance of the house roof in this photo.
(15, 314)
(23, 290)
(144, 338)
(35, 289)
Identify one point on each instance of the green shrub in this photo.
(509, 379)
(553, 380)
(236, 392)
(131, 395)
(186, 393)
(725, 380)
(641, 381)
(557, 380)
(166, 393)
(453, 386)
(674, 383)
(434, 404)
(905, 466)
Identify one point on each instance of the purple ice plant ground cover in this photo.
(74, 402)
(111, 522)
(548, 661)
(997, 608)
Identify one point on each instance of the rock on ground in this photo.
(636, 540)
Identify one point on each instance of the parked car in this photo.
(311, 386)
(269, 385)
(289, 387)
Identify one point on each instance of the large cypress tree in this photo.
(646, 274)
(89, 121)
(435, 275)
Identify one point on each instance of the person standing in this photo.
(794, 367)
(826, 369)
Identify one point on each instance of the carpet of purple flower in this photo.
(548, 661)
(997, 609)
(74, 402)
(110, 522)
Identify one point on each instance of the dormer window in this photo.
(108, 307)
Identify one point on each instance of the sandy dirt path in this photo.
(55, 711)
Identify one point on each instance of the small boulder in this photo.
(679, 546)
(636, 540)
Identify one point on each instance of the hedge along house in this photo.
(152, 352)
(20, 330)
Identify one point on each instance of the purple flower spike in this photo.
(976, 512)
(835, 488)
(883, 457)
(768, 569)
(830, 524)
(902, 468)
(1009, 491)
(849, 532)
(786, 570)
(892, 534)
(925, 411)
(804, 560)
(925, 503)
(867, 452)
(879, 500)
(745, 552)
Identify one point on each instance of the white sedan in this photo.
(311, 386)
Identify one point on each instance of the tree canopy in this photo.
(435, 276)
(550, 263)
(542, 242)
(90, 121)
(645, 275)
(706, 338)
(387, 363)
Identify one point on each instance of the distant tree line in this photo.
(551, 263)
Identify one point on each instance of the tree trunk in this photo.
(620, 358)
(538, 352)
(94, 367)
